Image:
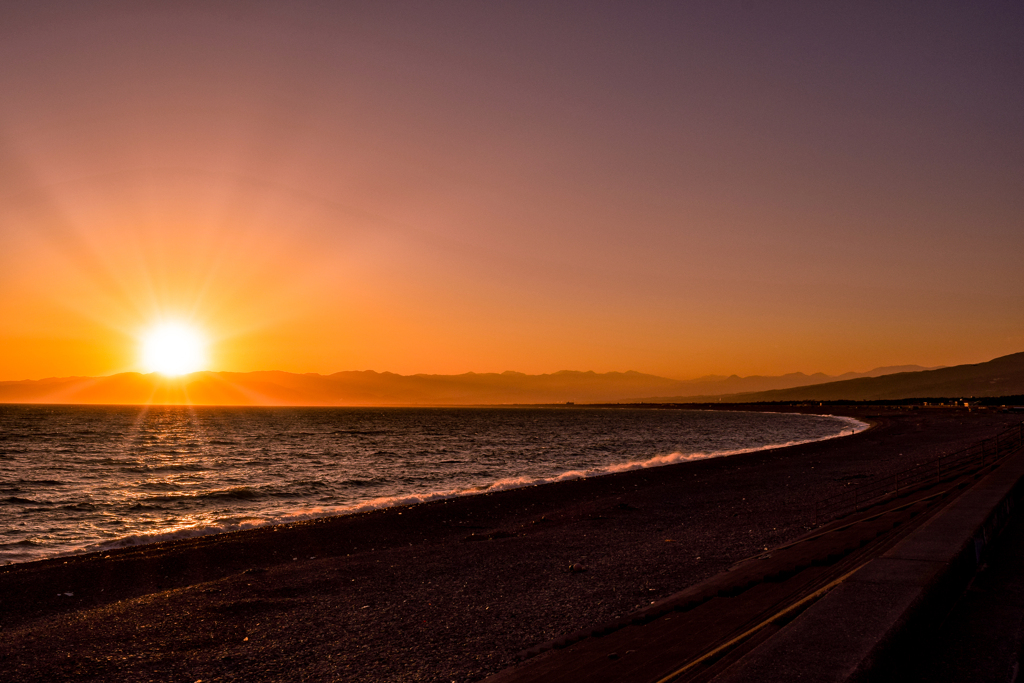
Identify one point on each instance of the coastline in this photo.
(445, 590)
(258, 517)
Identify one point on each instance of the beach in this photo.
(450, 590)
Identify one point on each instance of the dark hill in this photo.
(1002, 376)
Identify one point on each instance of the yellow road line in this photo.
(764, 623)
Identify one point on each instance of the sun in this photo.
(173, 349)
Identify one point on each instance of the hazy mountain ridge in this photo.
(386, 388)
(718, 385)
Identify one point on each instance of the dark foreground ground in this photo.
(445, 591)
(981, 638)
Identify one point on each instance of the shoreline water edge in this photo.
(445, 590)
(257, 519)
(503, 485)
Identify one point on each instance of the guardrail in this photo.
(981, 454)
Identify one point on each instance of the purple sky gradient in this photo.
(674, 188)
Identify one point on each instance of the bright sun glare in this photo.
(173, 349)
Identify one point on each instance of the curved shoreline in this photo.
(259, 521)
(448, 590)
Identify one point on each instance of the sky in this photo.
(681, 189)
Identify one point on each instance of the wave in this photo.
(225, 526)
(287, 490)
(183, 467)
(161, 536)
(84, 506)
(236, 493)
(28, 542)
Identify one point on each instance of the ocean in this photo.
(82, 478)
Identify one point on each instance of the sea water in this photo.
(82, 478)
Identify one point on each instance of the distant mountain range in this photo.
(719, 385)
(1002, 376)
(383, 389)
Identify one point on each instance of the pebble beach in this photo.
(451, 590)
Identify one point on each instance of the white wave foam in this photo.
(856, 426)
(175, 535)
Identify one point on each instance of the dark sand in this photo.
(445, 591)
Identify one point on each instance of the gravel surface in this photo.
(445, 591)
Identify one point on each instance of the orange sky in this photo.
(457, 187)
